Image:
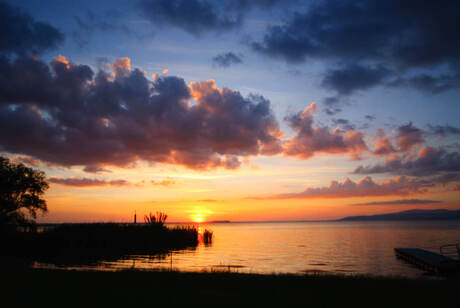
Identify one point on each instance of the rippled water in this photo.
(297, 247)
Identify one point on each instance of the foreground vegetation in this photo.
(88, 243)
(80, 288)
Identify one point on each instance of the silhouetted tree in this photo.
(21, 189)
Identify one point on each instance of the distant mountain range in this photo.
(440, 214)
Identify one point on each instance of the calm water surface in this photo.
(299, 247)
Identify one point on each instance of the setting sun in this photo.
(199, 215)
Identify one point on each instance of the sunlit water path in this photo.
(298, 247)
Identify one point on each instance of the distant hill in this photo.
(440, 214)
(219, 221)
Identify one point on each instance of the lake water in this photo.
(300, 247)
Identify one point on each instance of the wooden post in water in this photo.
(135, 217)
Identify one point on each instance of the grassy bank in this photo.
(75, 288)
(87, 243)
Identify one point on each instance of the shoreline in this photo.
(55, 286)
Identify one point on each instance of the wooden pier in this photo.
(428, 260)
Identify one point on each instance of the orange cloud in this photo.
(202, 89)
(383, 145)
(121, 66)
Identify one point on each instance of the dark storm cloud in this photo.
(227, 59)
(241, 5)
(409, 33)
(401, 202)
(428, 162)
(390, 37)
(353, 77)
(21, 34)
(67, 115)
(200, 16)
(193, 16)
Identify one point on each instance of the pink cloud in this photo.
(383, 144)
(409, 136)
(366, 187)
(310, 140)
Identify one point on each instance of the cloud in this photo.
(310, 140)
(370, 117)
(87, 182)
(344, 124)
(92, 182)
(428, 83)
(165, 182)
(366, 187)
(200, 16)
(354, 77)
(192, 16)
(68, 115)
(409, 136)
(443, 130)
(370, 30)
(383, 144)
(227, 59)
(22, 35)
(414, 44)
(429, 161)
(401, 202)
(88, 23)
(95, 169)
(332, 105)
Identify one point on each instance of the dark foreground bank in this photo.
(68, 244)
(83, 288)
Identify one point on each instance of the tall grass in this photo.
(92, 242)
(157, 220)
(207, 236)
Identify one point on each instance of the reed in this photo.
(157, 220)
(207, 236)
(88, 243)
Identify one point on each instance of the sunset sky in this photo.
(233, 110)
